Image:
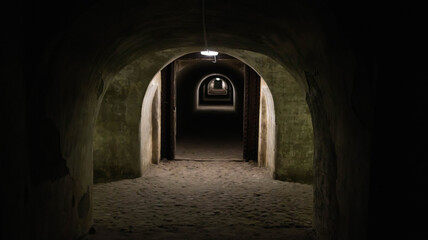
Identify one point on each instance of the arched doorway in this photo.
(194, 112)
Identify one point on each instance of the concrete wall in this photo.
(267, 130)
(294, 132)
(114, 135)
(117, 150)
(150, 124)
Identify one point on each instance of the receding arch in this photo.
(293, 135)
(200, 92)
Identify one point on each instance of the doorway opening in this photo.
(139, 121)
(210, 111)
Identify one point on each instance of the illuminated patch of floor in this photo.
(202, 200)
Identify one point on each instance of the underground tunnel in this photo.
(86, 74)
(178, 120)
(198, 109)
(209, 106)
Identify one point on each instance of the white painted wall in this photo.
(150, 124)
(267, 140)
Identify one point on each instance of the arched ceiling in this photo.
(112, 34)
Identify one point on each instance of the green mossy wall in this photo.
(116, 138)
(294, 132)
(117, 135)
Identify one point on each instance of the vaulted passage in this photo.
(195, 108)
(218, 116)
(341, 98)
(209, 107)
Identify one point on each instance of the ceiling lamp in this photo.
(206, 52)
(209, 53)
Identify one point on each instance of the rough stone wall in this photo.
(295, 132)
(324, 191)
(117, 131)
(150, 124)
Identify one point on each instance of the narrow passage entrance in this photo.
(210, 109)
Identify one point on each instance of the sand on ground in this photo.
(202, 200)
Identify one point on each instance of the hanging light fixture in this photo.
(206, 52)
(209, 53)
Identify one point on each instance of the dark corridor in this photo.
(207, 107)
(361, 64)
(213, 135)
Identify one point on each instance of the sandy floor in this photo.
(209, 144)
(213, 149)
(202, 200)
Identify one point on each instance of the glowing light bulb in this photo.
(209, 53)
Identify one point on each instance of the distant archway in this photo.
(210, 96)
(287, 161)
